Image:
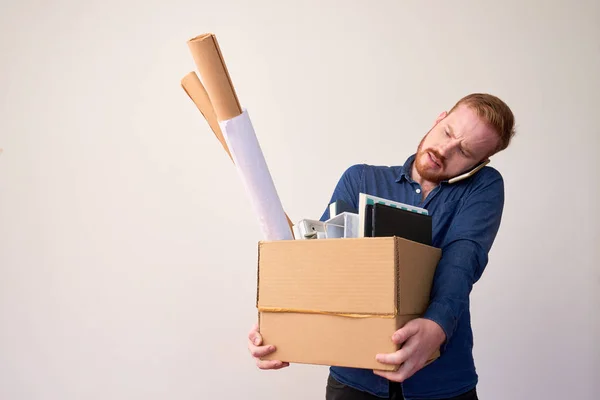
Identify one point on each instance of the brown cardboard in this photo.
(196, 91)
(220, 91)
(213, 71)
(338, 301)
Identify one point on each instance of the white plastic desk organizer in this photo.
(344, 225)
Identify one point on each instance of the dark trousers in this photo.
(339, 391)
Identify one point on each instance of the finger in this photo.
(404, 372)
(260, 351)
(396, 358)
(254, 336)
(402, 334)
(253, 331)
(389, 375)
(271, 364)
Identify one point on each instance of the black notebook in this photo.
(385, 220)
(368, 220)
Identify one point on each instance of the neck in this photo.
(426, 186)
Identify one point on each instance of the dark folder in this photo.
(392, 221)
(368, 221)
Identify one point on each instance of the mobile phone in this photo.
(470, 173)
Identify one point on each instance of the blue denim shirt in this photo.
(465, 216)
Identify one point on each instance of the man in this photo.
(466, 215)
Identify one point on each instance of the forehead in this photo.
(471, 129)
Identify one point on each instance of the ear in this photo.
(440, 117)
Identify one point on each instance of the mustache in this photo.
(441, 159)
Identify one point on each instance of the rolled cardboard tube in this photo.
(195, 90)
(215, 77)
(197, 93)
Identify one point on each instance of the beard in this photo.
(427, 172)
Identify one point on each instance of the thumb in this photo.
(254, 336)
(257, 339)
(402, 334)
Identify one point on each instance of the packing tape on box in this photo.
(333, 313)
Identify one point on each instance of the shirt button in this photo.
(418, 190)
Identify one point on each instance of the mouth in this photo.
(434, 159)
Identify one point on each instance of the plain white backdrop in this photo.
(127, 246)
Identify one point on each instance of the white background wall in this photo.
(127, 247)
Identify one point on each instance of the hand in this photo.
(420, 338)
(258, 351)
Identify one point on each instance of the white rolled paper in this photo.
(252, 168)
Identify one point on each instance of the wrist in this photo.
(442, 315)
(436, 332)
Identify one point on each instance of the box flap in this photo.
(348, 276)
(416, 265)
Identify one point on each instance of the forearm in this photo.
(461, 265)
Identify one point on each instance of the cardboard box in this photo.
(337, 302)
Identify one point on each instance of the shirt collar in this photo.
(405, 170)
